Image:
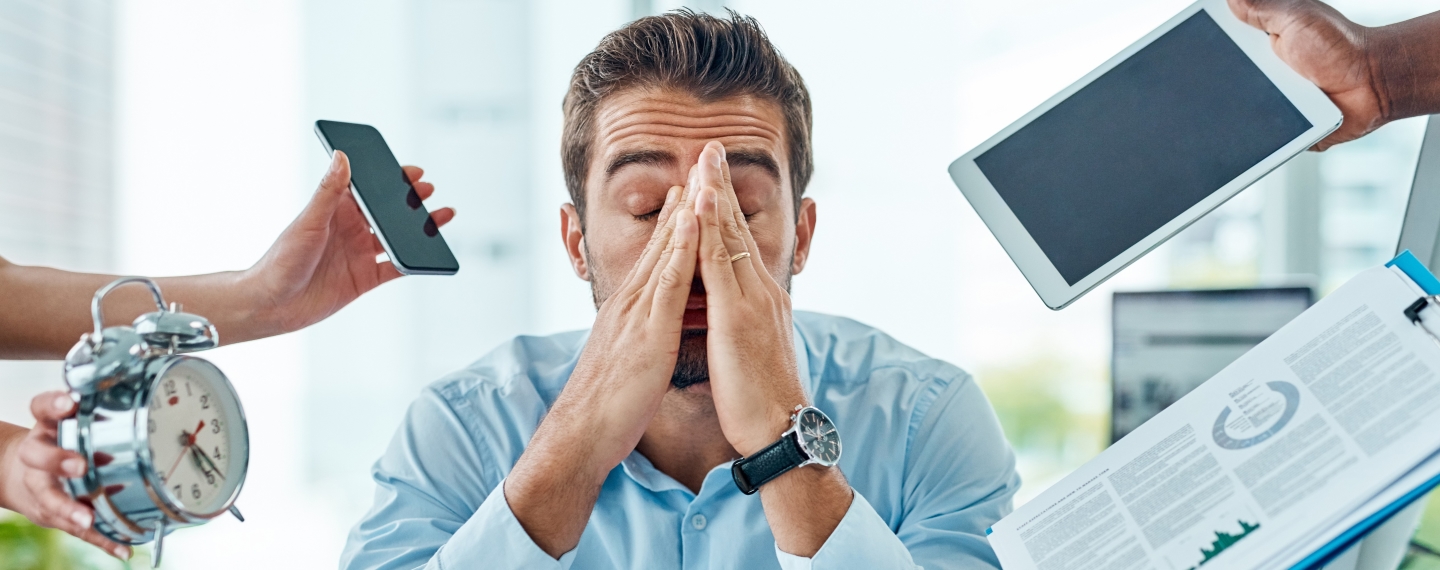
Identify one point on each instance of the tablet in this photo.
(1135, 151)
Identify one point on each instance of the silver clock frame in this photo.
(112, 373)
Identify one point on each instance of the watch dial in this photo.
(819, 437)
(198, 447)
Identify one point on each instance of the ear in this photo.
(574, 238)
(804, 232)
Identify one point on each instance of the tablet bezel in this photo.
(1026, 253)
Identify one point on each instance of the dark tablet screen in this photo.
(1139, 145)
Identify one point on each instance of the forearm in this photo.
(804, 506)
(553, 487)
(46, 310)
(1405, 58)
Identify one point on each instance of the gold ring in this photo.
(739, 256)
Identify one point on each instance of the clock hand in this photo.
(186, 437)
(208, 460)
(189, 441)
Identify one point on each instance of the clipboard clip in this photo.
(1412, 313)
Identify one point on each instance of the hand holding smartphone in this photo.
(410, 238)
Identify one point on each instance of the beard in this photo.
(692, 365)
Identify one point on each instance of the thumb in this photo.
(337, 179)
(332, 188)
(1268, 16)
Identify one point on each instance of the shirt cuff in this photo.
(493, 538)
(861, 540)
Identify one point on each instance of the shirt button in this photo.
(698, 521)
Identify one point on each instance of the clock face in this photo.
(199, 447)
(819, 437)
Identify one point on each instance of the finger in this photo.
(55, 509)
(385, 272)
(115, 549)
(652, 283)
(715, 266)
(413, 173)
(51, 407)
(423, 189)
(47, 457)
(442, 216)
(672, 289)
(644, 267)
(732, 233)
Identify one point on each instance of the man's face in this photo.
(646, 140)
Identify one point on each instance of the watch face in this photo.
(199, 447)
(819, 437)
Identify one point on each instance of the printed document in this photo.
(1331, 419)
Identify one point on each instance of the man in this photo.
(1374, 75)
(322, 262)
(686, 151)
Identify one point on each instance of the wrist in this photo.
(761, 434)
(244, 309)
(10, 468)
(1402, 70)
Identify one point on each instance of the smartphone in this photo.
(410, 238)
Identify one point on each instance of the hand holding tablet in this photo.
(1140, 148)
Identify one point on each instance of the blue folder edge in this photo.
(1416, 271)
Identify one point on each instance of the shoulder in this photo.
(488, 410)
(843, 351)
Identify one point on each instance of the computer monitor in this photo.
(1421, 231)
(1168, 342)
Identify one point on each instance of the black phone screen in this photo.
(394, 209)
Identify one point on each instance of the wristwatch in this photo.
(811, 440)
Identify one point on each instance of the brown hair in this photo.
(712, 58)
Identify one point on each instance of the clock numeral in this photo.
(204, 401)
(209, 478)
(195, 490)
(215, 425)
(177, 491)
(169, 387)
(217, 452)
(187, 389)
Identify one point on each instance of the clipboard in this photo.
(1411, 266)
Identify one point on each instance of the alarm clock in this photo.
(162, 432)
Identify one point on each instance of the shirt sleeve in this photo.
(861, 540)
(440, 501)
(959, 480)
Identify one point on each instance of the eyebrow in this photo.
(657, 157)
(761, 160)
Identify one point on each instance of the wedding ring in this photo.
(739, 256)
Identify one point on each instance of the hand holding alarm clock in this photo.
(162, 432)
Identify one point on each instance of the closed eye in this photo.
(647, 216)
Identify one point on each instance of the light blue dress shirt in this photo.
(929, 465)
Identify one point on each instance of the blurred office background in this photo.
(168, 137)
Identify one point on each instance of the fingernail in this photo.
(670, 196)
(716, 158)
(122, 553)
(721, 148)
(73, 467)
(335, 162)
(63, 402)
(81, 518)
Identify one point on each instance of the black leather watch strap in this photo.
(773, 461)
